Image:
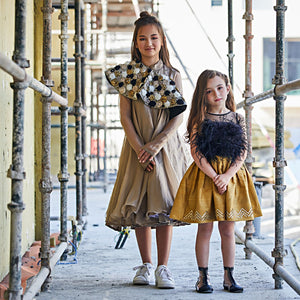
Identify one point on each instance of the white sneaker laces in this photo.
(164, 272)
(143, 269)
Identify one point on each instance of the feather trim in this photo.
(220, 139)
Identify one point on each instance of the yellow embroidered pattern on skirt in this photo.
(198, 201)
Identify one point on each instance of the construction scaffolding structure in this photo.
(102, 33)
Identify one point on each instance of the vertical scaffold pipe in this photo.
(279, 162)
(83, 118)
(104, 90)
(45, 184)
(248, 16)
(63, 176)
(77, 106)
(16, 171)
(230, 39)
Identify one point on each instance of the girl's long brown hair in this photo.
(146, 19)
(199, 106)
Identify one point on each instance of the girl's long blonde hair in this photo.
(146, 19)
(199, 105)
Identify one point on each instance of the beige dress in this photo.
(142, 198)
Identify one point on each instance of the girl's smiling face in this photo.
(216, 94)
(149, 43)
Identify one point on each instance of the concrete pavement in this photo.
(102, 272)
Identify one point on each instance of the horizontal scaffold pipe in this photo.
(19, 74)
(40, 278)
(278, 269)
(279, 90)
(71, 111)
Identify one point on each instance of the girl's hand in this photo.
(146, 160)
(150, 166)
(221, 191)
(221, 181)
(144, 156)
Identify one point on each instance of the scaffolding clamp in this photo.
(278, 253)
(63, 177)
(279, 163)
(45, 185)
(17, 175)
(249, 228)
(16, 207)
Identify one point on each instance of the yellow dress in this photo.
(198, 201)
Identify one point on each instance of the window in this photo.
(291, 64)
(216, 2)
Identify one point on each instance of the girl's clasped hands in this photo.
(221, 182)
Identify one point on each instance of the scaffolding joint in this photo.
(279, 187)
(79, 157)
(278, 80)
(231, 56)
(248, 16)
(47, 11)
(279, 163)
(64, 88)
(64, 17)
(79, 173)
(230, 38)
(21, 62)
(19, 85)
(249, 228)
(16, 175)
(63, 36)
(77, 38)
(47, 81)
(279, 253)
(280, 7)
(45, 186)
(63, 177)
(247, 94)
(16, 207)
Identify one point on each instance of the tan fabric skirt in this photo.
(198, 200)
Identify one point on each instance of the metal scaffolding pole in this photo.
(83, 117)
(63, 176)
(77, 106)
(230, 39)
(16, 171)
(45, 182)
(279, 162)
(249, 227)
(104, 91)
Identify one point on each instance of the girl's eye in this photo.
(220, 88)
(208, 92)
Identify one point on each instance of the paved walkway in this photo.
(102, 272)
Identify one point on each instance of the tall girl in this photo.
(217, 185)
(153, 158)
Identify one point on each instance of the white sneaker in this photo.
(163, 278)
(142, 276)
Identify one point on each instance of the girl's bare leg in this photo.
(226, 229)
(163, 240)
(202, 244)
(144, 240)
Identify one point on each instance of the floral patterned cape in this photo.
(135, 81)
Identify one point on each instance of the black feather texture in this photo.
(220, 138)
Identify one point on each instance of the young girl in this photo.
(217, 186)
(153, 158)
